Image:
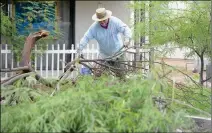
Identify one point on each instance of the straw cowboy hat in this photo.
(101, 14)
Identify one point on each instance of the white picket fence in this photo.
(49, 69)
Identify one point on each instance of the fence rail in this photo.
(50, 63)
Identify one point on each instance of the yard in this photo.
(48, 93)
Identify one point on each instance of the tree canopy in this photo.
(186, 26)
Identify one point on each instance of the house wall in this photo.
(85, 10)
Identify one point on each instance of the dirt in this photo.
(187, 66)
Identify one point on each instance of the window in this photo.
(33, 16)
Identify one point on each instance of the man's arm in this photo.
(85, 39)
(123, 28)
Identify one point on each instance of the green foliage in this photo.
(12, 26)
(5, 25)
(194, 31)
(36, 12)
(185, 28)
(197, 98)
(98, 105)
(190, 93)
(14, 95)
(22, 91)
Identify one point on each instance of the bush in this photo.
(97, 106)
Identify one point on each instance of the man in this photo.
(107, 30)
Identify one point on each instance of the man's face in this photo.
(103, 22)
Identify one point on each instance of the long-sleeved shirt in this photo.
(109, 40)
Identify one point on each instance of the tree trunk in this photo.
(29, 44)
(201, 69)
(25, 67)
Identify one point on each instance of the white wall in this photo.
(179, 54)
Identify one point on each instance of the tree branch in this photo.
(206, 79)
(192, 41)
(40, 78)
(182, 103)
(14, 69)
(11, 81)
(9, 78)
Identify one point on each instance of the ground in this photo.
(185, 66)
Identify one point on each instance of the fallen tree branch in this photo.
(173, 68)
(25, 68)
(67, 68)
(40, 78)
(9, 78)
(11, 81)
(15, 69)
(183, 103)
(188, 90)
(29, 44)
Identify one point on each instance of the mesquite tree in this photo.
(194, 32)
(187, 27)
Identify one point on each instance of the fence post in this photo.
(93, 51)
(12, 60)
(36, 57)
(72, 56)
(52, 60)
(63, 63)
(72, 52)
(6, 74)
(41, 64)
(58, 59)
(47, 63)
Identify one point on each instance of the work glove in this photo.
(127, 43)
(79, 52)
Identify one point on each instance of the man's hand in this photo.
(79, 52)
(126, 43)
